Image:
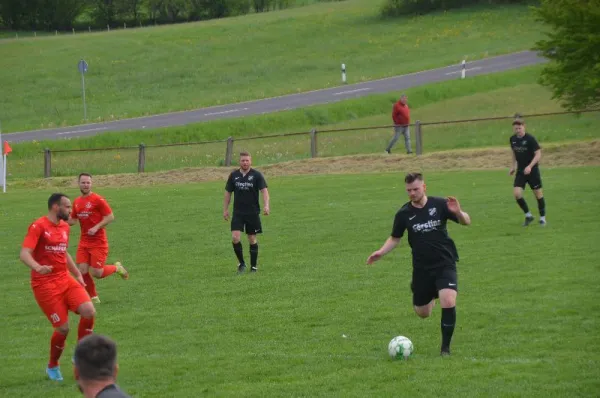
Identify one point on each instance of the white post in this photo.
(2, 180)
(2, 163)
(464, 65)
(4, 176)
(343, 73)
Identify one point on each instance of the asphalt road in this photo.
(398, 83)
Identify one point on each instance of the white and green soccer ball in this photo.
(400, 348)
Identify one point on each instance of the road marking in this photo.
(352, 91)
(466, 70)
(81, 131)
(224, 112)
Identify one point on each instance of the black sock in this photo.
(542, 206)
(253, 254)
(239, 252)
(448, 322)
(523, 205)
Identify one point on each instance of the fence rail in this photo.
(313, 135)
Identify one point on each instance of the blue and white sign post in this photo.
(83, 67)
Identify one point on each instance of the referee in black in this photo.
(434, 255)
(246, 183)
(526, 155)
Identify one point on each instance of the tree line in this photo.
(67, 14)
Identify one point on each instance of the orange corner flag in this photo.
(7, 148)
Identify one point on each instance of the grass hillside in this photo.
(500, 94)
(146, 71)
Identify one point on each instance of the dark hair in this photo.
(55, 199)
(96, 357)
(244, 153)
(82, 175)
(412, 177)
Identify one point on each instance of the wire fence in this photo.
(274, 148)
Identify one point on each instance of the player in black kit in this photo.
(246, 183)
(525, 160)
(433, 251)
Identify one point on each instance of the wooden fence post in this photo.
(142, 158)
(229, 152)
(419, 137)
(47, 163)
(313, 143)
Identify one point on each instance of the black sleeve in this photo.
(261, 183)
(534, 144)
(399, 225)
(229, 187)
(447, 213)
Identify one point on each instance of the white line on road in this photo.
(466, 70)
(224, 112)
(81, 131)
(352, 91)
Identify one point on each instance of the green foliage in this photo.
(67, 14)
(394, 8)
(573, 47)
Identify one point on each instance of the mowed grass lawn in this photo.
(187, 325)
(146, 71)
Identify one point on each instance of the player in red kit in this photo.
(56, 281)
(94, 214)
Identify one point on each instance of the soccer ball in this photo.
(400, 348)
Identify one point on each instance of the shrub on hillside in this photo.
(394, 8)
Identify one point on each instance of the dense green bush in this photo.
(394, 8)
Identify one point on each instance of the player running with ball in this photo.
(433, 251)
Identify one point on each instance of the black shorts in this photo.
(250, 223)
(534, 179)
(426, 284)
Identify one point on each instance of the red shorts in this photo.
(95, 257)
(57, 298)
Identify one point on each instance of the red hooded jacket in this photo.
(401, 114)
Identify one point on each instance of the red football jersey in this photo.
(90, 210)
(49, 243)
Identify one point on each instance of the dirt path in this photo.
(560, 155)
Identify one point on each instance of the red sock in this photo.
(86, 326)
(90, 285)
(108, 270)
(57, 345)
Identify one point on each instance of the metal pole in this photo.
(83, 90)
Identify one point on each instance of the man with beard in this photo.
(94, 214)
(246, 183)
(433, 251)
(44, 250)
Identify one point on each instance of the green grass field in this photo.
(146, 71)
(482, 96)
(187, 325)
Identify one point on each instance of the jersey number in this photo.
(54, 318)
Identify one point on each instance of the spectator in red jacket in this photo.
(401, 117)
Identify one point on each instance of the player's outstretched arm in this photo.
(266, 201)
(454, 207)
(72, 221)
(389, 245)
